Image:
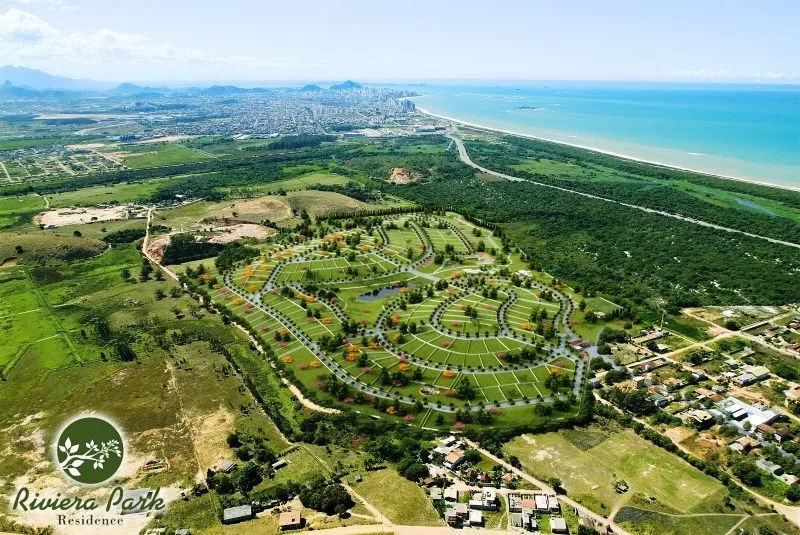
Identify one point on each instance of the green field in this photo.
(588, 461)
(157, 155)
(400, 500)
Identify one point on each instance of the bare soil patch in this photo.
(271, 207)
(78, 216)
(243, 230)
(400, 175)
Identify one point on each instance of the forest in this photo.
(622, 251)
(640, 184)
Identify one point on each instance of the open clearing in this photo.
(400, 500)
(588, 475)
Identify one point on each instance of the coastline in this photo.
(606, 152)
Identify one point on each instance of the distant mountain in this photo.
(133, 89)
(349, 84)
(311, 87)
(231, 90)
(35, 79)
(7, 89)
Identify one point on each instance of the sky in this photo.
(173, 41)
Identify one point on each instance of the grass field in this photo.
(588, 461)
(147, 155)
(400, 500)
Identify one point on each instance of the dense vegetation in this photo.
(124, 236)
(637, 183)
(622, 251)
(186, 247)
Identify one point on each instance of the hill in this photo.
(36, 79)
(349, 84)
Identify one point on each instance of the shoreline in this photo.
(608, 152)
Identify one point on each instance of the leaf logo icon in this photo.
(89, 450)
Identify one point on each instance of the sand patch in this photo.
(156, 247)
(210, 434)
(79, 216)
(679, 434)
(400, 175)
(271, 207)
(243, 230)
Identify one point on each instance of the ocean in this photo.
(742, 131)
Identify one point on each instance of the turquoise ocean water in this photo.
(743, 131)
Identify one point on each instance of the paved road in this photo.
(462, 152)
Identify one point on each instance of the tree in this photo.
(77, 233)
(793, 492)
(233, 440)
(126, 274)
(247, 477)
(19, 249)
(472, 456)
(159, 293)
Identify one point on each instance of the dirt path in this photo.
(171, 274)
(371, 508)
(173, 384)
(8, 177)
(305, 401)
(543, 486)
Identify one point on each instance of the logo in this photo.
(89, 450)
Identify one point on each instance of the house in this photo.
(558, 525)
(451, 494)
(454, 459)
(770, 467)
(448, 442)
(782, 435)
(704, 393)
(475, 517)
(752, 374)
(553, 505)
(528, 503)
(290, 520)
(792, 395)
(700, 418)
(280, 463)
(658, 400)
(227, 467)
(515, 503)
(516, 520)
(542, 503)
(183, 531)
(639, 381)
(740, 412)
(436, 494)
(233, 515)
(662, 348)
(744, 444)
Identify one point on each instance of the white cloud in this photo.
(50, 5)
(30, 40)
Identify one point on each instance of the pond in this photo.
(754, 206)
(383, 292)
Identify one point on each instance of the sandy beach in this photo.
(603, 151)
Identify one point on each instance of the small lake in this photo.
(754, 206)
(383, 292)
